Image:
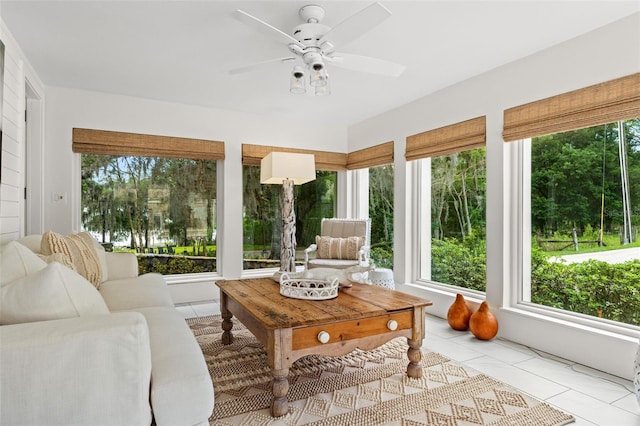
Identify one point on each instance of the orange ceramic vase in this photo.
(483, 324)
(459, 314)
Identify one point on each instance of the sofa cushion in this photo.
(178, 395)
(121, 265)
(80, 248)
(17, 261)
(32, 242)
(76, 371)
(54, 292)
(339, 248)
(140, 292)
(102, 258)
(332, 263)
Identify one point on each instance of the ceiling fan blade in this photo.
(356, 25)
(261, 26)
(367, 64)
(257, 65)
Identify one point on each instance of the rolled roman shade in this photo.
(89, 141)
(333, 161)
(370, 157)
(456, 137)
(602, 103)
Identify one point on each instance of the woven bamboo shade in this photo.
(594, 105)
(461, 136)
(334, 161)
(370, 157)
(88, 141)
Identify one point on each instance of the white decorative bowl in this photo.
(308, 288)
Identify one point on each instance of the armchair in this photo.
(342, 243)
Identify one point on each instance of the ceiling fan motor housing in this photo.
(311, 13)
(310, 34)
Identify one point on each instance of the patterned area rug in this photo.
(361, 388)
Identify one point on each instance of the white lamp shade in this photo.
(278, 166)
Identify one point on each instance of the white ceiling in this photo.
(181, 51)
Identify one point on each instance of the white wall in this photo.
(16, 71)
(68, 108)
(604, 54)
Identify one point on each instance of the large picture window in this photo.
(584, 208)
(152, 195)
(580, 172)
(162, 209)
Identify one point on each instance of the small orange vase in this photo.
(483, 324)
(459, 314)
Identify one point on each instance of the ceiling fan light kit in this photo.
(313, 45)
(297, 85)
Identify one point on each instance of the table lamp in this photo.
(287, 169)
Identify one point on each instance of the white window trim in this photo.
(422, 169)
(356, 189)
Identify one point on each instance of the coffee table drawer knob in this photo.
(323, 337)
(392, 325)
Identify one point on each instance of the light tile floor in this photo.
(593, 397)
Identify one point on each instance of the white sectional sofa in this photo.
(74, 354)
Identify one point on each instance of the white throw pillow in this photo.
(17, 261)
(54, 292)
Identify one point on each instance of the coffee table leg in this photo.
(414, 369)
(227, 324)
(280, 404)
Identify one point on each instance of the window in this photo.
(152, 195)
(262, 219)
(162, 209)
(453, 219)
(584, 208)
(452, 207)
(376, 162)
(381, 214)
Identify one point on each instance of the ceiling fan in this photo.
(312, 45)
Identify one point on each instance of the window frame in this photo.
(262, 272)
(187, 278)
(422, 173)
(601, 103)
(520, 168)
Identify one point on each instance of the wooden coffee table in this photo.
(363, 316)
